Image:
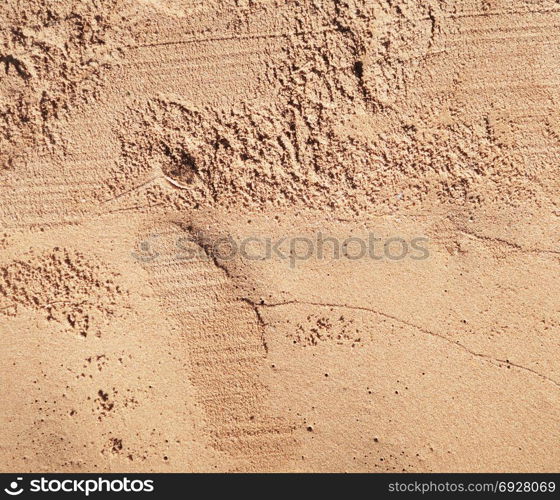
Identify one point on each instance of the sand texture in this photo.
(139, 137)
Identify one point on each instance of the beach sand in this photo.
(265, 235)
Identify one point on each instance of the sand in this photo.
(140, 138)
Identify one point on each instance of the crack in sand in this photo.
(510, 244)
(494, 361)
(261, 322)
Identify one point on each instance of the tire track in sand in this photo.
(222, 337)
